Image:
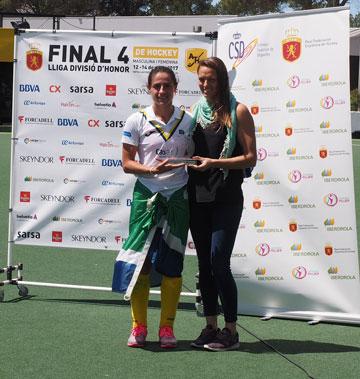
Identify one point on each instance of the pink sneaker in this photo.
(138, 336)
(166, 337)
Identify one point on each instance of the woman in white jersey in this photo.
(159, 218)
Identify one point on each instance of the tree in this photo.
(244, 7)
(180, 7)
(311, 4)
(355, 21)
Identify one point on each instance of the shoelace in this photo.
(138, 330)
(166, 331)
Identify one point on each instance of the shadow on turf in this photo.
(284, 346)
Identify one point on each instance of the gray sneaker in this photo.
(207, 335)
(224, 341)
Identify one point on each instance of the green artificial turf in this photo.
(66, 333)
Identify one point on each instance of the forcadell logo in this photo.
(299, 272)
(118, 239)
(29, 88)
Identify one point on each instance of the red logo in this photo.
(118, 239)
(54, 88)
(34, 59)
(21, 119)
(62, 157)
(323, 152)
(87, 198)
(257, 204)
(292, 226)
(110, 90)
(94, 123)
(291, 48)
(288, 131)
(56, 236)
(328, 250)
(24, 197)
(254, 109)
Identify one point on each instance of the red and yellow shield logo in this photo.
(323, 152)
(288, 131)
(292, 226)
(328, 250)
(254, 109)
(291, 48)
(257, 204)
(34, 59)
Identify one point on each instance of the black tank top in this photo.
(210, 185)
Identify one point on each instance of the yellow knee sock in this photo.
(170, 294)
(139, 301)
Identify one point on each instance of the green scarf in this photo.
(203, 114)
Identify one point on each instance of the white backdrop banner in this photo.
(297, 246)
(72, 94)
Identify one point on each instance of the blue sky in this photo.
(354, 7)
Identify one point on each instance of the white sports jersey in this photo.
(157, 140)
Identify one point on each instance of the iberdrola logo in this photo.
(291, 45)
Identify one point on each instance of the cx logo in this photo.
(54, 88)
(94, 123)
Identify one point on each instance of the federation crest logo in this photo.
(323, 152)
(293, 226)
(328, 249)
(193, 57)
(34, 58)
(256, 203)
(288, 131)
(291, 46)
(254, 109)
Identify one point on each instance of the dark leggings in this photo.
(213, 227)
